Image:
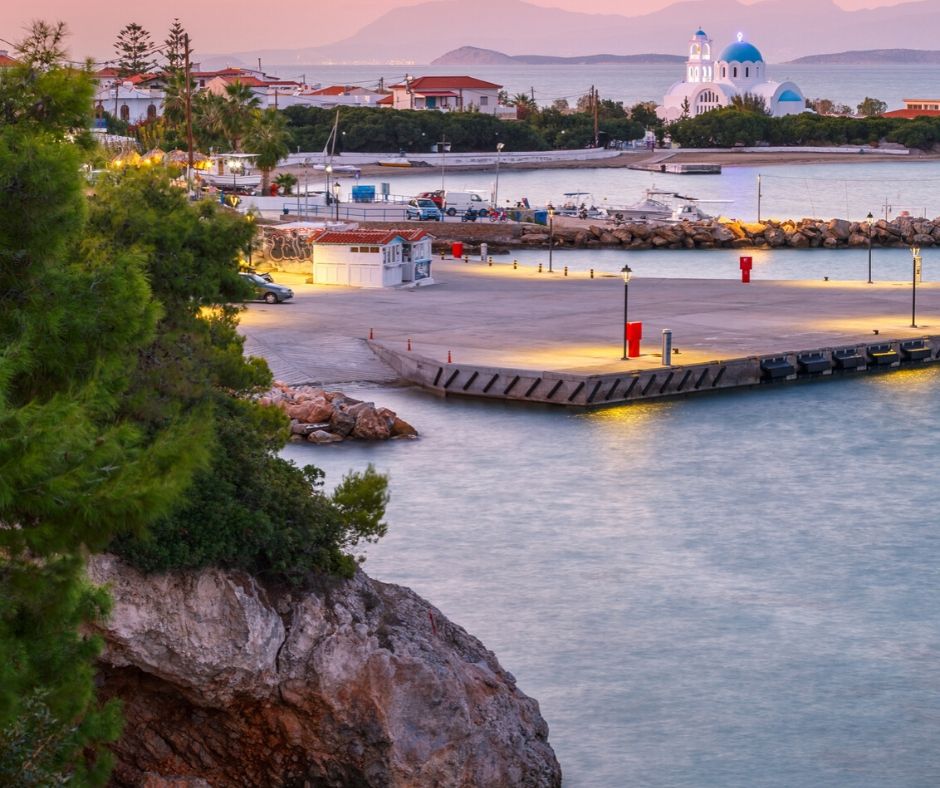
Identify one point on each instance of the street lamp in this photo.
(915, 276)
(499, 149)
(306, 188)
(236, 167)
(626, 272)
(870, 220)
(336, 188)
(443, 146)
(329, 172)
(551, 236)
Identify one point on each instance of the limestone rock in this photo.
(353, 682)
(402, 429)
(370, 425)
(342, 423)
(323, 437)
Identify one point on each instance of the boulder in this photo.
(831, 242)
(402, 429)
(623, 235)
(315, 410)
(609, 238)
(922, 239)
(342, 423)
(797, 240)
(722, 234)
(775, 237)
(344, 682)
(753, 228)
(322, 436)
(371, 426)
(857, 239)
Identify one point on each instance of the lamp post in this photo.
(236, 167)
(626, 272)
(336, 198)
(499, 149)
(870, 220)
(551, 236)
(915, 275)
(306, 187)
(329, 172)
(443, 146)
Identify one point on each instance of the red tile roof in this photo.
(6, 61)
(346, 237)
(108, 71)
(413, 235)
(332, 90)
(448, 83)
(910, 114)
(386, 100)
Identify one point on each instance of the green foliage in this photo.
(749, 102)
(257, 512)
(726, 127)
(286, 181)
(134, 51)
(268, 137)
(175, 47)
(76, 315)
(871, 107)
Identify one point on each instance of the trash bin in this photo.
(456, 250)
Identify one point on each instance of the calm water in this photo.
(735, 590)
(846, 265)
(846, 190)
(631, 84)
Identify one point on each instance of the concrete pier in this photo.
(550, 338)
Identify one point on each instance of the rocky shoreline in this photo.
(228, 681)
(320, 416)
(715, 234)
(502, 238)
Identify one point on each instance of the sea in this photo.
(736, 590)
(634, 83)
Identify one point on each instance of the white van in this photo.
(461, 202)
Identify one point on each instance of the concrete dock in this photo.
(560, 338)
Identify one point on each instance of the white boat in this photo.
(396, 161)
(662, 206)
(580, 205)
(233, 171)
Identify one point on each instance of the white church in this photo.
(710, 84)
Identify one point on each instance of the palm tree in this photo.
(241, 104)
(267, 136)
(174, 99)
(525, 105)
(209, 116)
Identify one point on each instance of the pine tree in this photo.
(175, 52)
(134, 50)
(75, 317)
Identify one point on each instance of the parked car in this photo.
(263, 274)
(423, 209)
(437, 197)
(270, 292)
(461, 202)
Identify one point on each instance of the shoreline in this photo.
(726, 158)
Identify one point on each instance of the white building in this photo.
(447, 94)
(711, 83)
(371, 258)
(128, 102)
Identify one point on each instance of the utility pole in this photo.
(187, 75)
(594, 102)
(758, 196)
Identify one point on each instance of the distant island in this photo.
(476, 56)
(866, 57)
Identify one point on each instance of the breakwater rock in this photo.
(320, 416)
(730, 234)
(225, 681)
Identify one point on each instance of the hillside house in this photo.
(445, 94)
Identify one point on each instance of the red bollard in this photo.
(448, 358)
(634, 335)
(746, 265)
(370, 333)
(409, 343)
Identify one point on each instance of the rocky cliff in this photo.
(228, 683)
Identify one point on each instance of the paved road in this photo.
(501, 317)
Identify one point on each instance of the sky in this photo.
(219, 26)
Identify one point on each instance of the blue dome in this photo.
(701, 32)
(742, 52)
(789, 95)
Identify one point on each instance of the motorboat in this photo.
(662, 206)
(580, 205)
(397, 161)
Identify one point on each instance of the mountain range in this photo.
(475, 56)
(782, 29)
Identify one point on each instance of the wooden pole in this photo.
(187, 73)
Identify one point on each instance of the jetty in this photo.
(516, 334)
